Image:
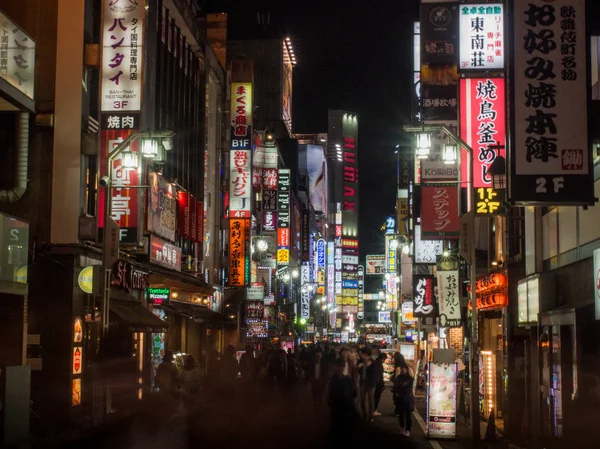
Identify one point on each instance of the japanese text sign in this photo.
(390, 224)
(376, 264)
(238, 230)
(551, 158)
(241, 116)
(426, 251)
(183, 208)
(255, 311)
(350, 179)
(17, 56)
(482, 126)
(439, 212)
(423, 296)
(240, 187)
(481, 37)
(449, 298)
(321, 254)
(165, 254)
(304, 293)
(269, 221)
(162, 206)
(439, 30)
(122, 55)
(283, 216)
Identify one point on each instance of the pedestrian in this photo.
(403, 394)
(248, 366)
(229, 372)
(318, 373)
(341, 399)
(191, 379)
(379, 382)
(167, 375)
(366, 374)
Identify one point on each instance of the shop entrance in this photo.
(491, 367)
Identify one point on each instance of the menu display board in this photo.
(441, 400)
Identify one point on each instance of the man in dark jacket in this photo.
(341, 400)
(379, 382)
(318, 373)
(366, 374)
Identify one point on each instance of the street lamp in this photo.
(262, 245)
(130, 159)
(474, 352)
(423, 145)
(450, 154)
(498, 172)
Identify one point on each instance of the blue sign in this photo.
(350, 284)
(321, 253)
(390, 225)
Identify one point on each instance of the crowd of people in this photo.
(345, 380)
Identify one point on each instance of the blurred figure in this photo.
(191, 379)
(379, 382)
(366, 384)
(167, 375)
(318, 373)
(248, 365)
(341, 400)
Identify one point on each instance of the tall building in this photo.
(342, 157)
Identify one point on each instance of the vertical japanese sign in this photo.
(423, 296)
(122, 55)
(551, 161)
(481, 37)
(361, 292)
(162, 207)
(483, 127)
(183, 208)
(439, 57)
(241, 116)
(240, 188)
(426, 251)
(120, 103)
(17, 56)
(416, 90)
(390, 254)
(304, 293)
(439, 212)
(237, 252)
(283, 216)
(448, 298)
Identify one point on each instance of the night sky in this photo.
(353, 55)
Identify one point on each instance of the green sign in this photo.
(158, 296)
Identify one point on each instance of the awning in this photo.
(136, 316)
(196, 312)
(196, 288)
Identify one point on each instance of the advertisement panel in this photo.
(408, 316)
(283, 217)
(361, 292)
(423, 296)
(321, 246)
(416, 90)
(286, 94)
(551, 162)
(125, 201)
(391, 254)
(240, 188)
(183, 216)
(17, 65)
(241, 117)
(165, 254)
(237, 252)
(439, 171)
(122, 56)
(439, 212)
(385, 316)
(304, 293)
(162, 207)
(448, 298)
(439, 74)
(482, 126)
(376, 264)
(316, 167)
(255, 311)
(481, 37)
(441, 400)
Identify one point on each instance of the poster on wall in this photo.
(162, 207)
(552, 161)
(441, 400)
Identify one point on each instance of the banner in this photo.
(240, 188)
(481, 37)
(183, 207)
(304, 293)
(423, 296)
(441, 400)
(283, 217)
(551, 162)
(241, 116)
(439, 212)
(237, 252)
(448, 298)
(162, 207)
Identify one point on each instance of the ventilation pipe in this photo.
(16, 193)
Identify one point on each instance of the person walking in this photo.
(341, 399)
(379, 382)
(191, 379)
(403, 394)
(167, 375)
(366, 384)
(317, 373)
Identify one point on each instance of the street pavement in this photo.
(261, 422)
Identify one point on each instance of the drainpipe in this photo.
(16, 193)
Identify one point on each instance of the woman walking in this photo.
(403, 394)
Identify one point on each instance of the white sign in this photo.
(17, 56)
(438, 171)
(385, 317)
(441, 400)
(122, 55)
(350, 260)
(448, 298)
(376, 264)
(407, 313)
(240, 183)
(550, 82)
(270, 157)
(426, 250)
(481, 37)
(304, 293)
(256, 293)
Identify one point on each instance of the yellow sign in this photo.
(489, 201)
(283, 256)
(21, 275)
(86, 280)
